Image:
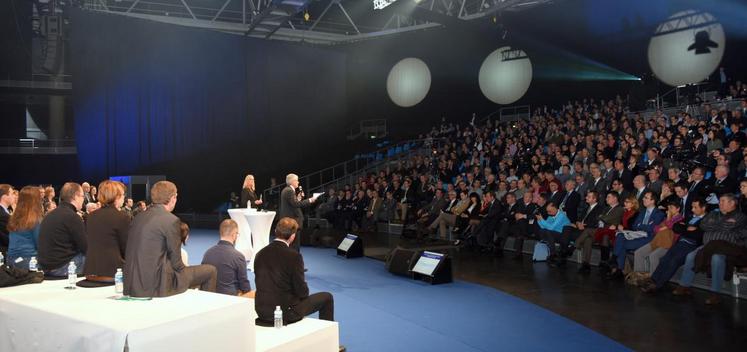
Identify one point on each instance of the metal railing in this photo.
(37, 146)
(349, 171)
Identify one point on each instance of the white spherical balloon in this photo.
(505, 75)
(686, 48)
(408, 82)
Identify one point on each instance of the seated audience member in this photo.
(428, 213)
(141, 207)
(441, 215)
(24, 228)
(372, 212)
(520, 227)
(484, 232)
(49, 195)
(230, 263)
(90, 208)
(106, 234)
(388, 207)
(469, 218)
(279, 275)
(646, 258)
(62, 235)
(743, 196)
(606, 236)
(405, 200)
(461, 216)
(724, 236)
(588, 222)
(691, 237)
(608, 220)
(153, 265)
(183, 237)
(127, 207)
(643, 224)
(6, 202)
(551, 228)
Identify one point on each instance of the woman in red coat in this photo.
(606, 236)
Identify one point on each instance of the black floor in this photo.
(640, 321)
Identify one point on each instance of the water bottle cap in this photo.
(119, 270)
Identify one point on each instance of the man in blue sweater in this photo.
(551, 229)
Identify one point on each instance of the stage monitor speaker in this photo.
(400, 261)
(433, 268)
(350, 247)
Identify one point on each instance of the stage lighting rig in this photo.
(381, 4)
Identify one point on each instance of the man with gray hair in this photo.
(291, 202)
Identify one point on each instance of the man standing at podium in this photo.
(291, 202)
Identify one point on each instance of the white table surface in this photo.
(46, 317)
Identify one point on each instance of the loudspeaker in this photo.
(350, 247)
(400, 261)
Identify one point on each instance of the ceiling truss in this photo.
(285, 19)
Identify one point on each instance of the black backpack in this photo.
(14, 277)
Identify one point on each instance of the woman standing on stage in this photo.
(249, 194)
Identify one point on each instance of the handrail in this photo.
(37, 146)
(360, 163)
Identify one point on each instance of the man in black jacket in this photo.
(570, 201)
(280, 281)
(6, 201)
(589, 220)
(62, 234)
(691, 237)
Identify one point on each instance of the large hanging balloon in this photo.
(505, 75)
(686, 48)
(408, 82)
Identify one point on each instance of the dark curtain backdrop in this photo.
(203, 108)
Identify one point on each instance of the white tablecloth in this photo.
(260, 223)
(46, 317)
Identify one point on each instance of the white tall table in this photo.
(260, 223)
(244, 242)
(47, 317)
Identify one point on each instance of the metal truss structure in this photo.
(326, 22)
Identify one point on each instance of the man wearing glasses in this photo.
(62, 234)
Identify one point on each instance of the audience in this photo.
(24, 227)
(153, 266)
(641, 232)
(62, 234)
(230, 263)
(106, 234)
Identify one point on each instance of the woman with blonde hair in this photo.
(23, 226)
(106, 233)
(249, 193)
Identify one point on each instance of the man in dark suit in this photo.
(698, 186)
(640, 189)
(556, 194)
(590, 220)
(597, 182)
(485, 230)
(623, 174)
(6, 202)
(154, 266)
(507, 224)
(611, 216)
(685, 198)
(291, 203)
(722, 182)
(570, 201)
(279, 276)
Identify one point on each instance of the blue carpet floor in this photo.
(381, 312)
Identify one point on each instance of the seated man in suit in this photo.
(6, 201)
(230, 263)
(647, 219)
(278, 271)
(153, 261)
(489, 219)
(587, 223)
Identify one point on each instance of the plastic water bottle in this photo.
(33, 264)
(72, 277)
(119, 281)
(278, 317)
(2, 259)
